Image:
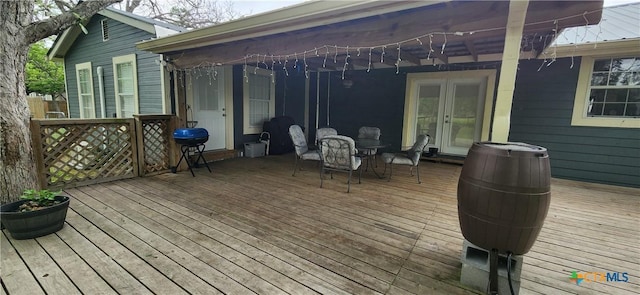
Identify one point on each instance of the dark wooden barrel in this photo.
(504, 195)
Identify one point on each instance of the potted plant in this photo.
(38, 213)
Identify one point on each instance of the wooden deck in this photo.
(250, 227)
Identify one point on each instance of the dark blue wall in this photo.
(542, 109)
(541, 115)
(375, 99)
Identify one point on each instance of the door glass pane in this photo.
(428, 106)
(206, 92)
(463, 116)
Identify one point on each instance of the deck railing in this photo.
(72, 152)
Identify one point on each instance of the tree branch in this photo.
(39, 30)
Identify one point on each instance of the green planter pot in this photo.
(33, 224)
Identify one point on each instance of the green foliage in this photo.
(43, 76)
(41, 196)
(38, 200)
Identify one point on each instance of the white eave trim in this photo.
(53, 52)
(627, 46)
(302, 16)
(129, 21)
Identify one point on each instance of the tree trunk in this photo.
(17, 168)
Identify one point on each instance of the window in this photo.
(86, 100)
(608, 93)
(105, 29)
(126, 85)
(259, 100)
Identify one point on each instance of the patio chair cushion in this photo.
(323, 132)
(311, 155)
(366, 132)
(298, 139)
(411, 157)
(391, 158)
(339, 151)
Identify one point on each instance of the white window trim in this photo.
(248, 129)
(124, 59)
(79, 67)
(579, 116)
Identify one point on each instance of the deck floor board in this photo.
(249, 227)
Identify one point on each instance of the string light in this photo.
(586, 26)
(284, 67)
(324, 63)
(369, 66)
(244, 70)
(398, 45)
(444, 44)
(595, 45)
(430, 46)
(398, 61)
(255, 71)
(273, 68)
(346, 63)
(555, 44)
(306, 67)
(296, 63)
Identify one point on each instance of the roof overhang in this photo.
(422, 32)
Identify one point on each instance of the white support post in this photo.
(510, 57)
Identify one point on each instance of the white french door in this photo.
(209, 107)
(450, 111)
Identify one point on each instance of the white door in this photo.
(450, 111)
(209, 108)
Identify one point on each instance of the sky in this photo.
(248, 7)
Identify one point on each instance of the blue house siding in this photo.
(541, 115)
(122, 39)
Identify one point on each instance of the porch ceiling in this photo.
(435, 32)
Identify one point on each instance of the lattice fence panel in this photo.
(75, 153)
(155, 137)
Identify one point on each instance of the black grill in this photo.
(191, 136)
(191, 139)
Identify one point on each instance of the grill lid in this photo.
(190, 133)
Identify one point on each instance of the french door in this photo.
(450, 111)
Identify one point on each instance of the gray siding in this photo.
(91, 48)
(541, 115)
